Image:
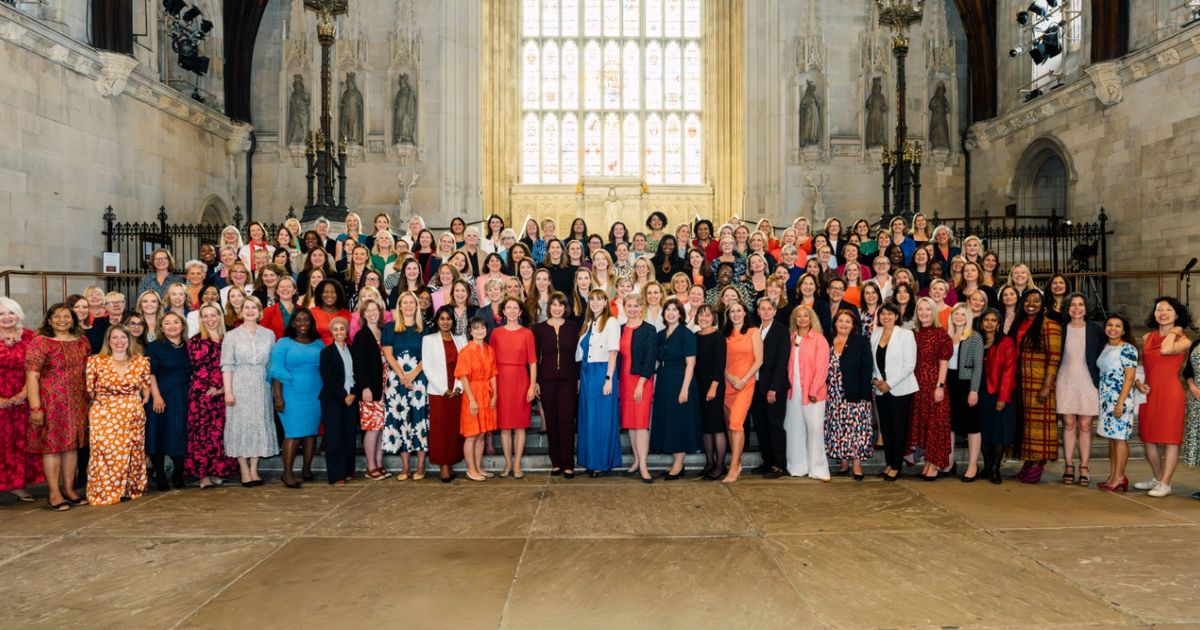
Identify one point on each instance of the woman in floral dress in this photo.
(848, 413)
(929, 427)
(406, 423)
(55, 364)
(17, 467)
(206, 459)
(249, 421)
(1118, 364)
(1191, 428)
(118, 381)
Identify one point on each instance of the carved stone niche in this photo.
(114, 73)
(1106, 83)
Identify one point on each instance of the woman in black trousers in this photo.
(558, 379)
(339, 404)
(895, 352)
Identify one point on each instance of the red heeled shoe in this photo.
(1121, 487)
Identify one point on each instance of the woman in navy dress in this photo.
(167, 413)
(599, 442)
(675, 420)
(295, 385)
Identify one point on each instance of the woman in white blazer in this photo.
(895, 352)
(439, 355)
(599, 434)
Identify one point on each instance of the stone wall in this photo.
(1129, 132)
(840, 47)
(437, 45)
(86, 130)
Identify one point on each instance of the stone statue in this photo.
(404, 113)
(351, 108)
(299, 112)
(939, 118)
(407, 188)
(876, 134)
(810, 117)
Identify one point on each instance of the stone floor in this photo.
(611, 553)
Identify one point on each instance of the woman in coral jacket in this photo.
(997, 413)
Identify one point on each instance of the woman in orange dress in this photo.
(1160, 418)
(118, 382)
(743, 357)
(476, 370)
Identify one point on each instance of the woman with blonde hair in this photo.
(930, 427)
(249, 420)
(406, 428)
(118, 383)
(206, 459)
(964, 379)
(603, 275)
(237, 276)
(638, 360)
(150, 307)
(1021, 279)
(804, 419)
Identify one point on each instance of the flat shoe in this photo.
(23, 496)
(259, 482)
(400, 476)
(60, 507)
(79, 501)
(518, 475)
(418, 476)
(476, 478)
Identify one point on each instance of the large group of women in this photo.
(829, 344)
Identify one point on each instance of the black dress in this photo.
(167, 432)
(675, 428)
(710, 368)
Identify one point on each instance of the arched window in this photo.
(611, 88)
(1043, 180)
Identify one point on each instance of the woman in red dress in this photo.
(516, 372)
(929, 427)
(54, 381)
(17, 467)
(439, 359)
(639, 345)
(1160, 418)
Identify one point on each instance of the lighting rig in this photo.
(186, 34)
(1043, 27)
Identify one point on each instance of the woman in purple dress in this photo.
(206, 458)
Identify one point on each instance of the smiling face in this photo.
(80, 308)
(1164, 313)
(445, 322)
(329, 296)
(118, 342)
(302, 322)
(1033, 303)
(172, 327)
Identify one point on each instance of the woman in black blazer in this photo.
(339, 404)
(367, 356)
(1077, 394)
(637, 374)
(848, 413)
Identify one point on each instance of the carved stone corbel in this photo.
(239, 139)
(1106, 83)
(114, 73)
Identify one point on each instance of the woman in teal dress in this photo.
(295, 383)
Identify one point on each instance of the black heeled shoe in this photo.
(308, 477)
(857, 476)
(646, 479)
(682, 471)
(716, 476)
(568, 474)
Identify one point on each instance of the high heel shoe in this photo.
(716, 475)
(1120, 487)
(857, 476)
(670, 477)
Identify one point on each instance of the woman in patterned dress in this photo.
(1191, 433)
(370, 373)
(1039, 349)
(55, 365)
(406, 426)
(206, 459)
(1118, 369)
(17, 467)
(848, 413)
(929, 428)
(118, 382)
(1161, 416)
(249, 421)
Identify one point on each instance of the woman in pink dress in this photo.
(54, 375)
(17, 467)
(639, 345)
(516, 372)
(1160, 418)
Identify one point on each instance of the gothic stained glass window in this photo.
(611, 88)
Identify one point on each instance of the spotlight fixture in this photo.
(1047, 46)
(1017, 52)
(186, 35)
(1036, 8)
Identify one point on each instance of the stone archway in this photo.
(214, 212)
(1043, 179)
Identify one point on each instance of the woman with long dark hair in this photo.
(1164, 349)
(1118, 370)
(1039, 349)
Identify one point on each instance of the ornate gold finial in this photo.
(887, 157)
(645, 188)
(579, 187)
(908, 152)
(320, 142)
(342, 145)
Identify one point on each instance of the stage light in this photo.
(191, 14)
(173, 7)
(1048, 46)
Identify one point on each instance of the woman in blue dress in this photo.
(166, 417)
(675, 419)
(406, 406)
(295, 384)
(1118, 366)
(599, 437)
